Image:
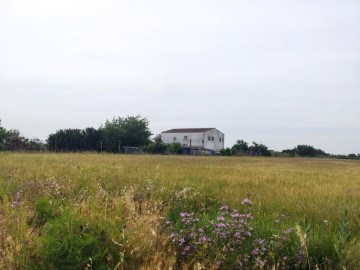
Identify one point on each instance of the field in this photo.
(102, 211)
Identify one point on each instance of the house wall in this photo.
(198, 140)
(214, 140)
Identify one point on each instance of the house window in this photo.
(212, 138)
(220, 139)
(174, 138)
(185, 138)
(209, 138)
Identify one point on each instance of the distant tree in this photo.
(156, 146)
(14, 141)
(290, 152)
(91, 139)
(226, 152)
(36, 145)
(260, 149)
(308, 151)
(68, 140)
(129, 131)
(3, 136)
(136, 131)
(240, 147)
(304, 150)
(175, 148)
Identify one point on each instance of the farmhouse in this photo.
(195, 140)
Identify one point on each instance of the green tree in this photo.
(260, 150)
(309, 151)
(226, 152)
(91, 139)
(130, 131)
(68, 140)
(156, 146)
(3, 136)
(14, 141)
(240, 147)
(175, 148)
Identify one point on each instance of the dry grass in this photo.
(307, 191)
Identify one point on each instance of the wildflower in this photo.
(246, 201)
(183, 214)
(181, 241)
(259, 262)
(224, 208)
(326, 222)
(221, 225)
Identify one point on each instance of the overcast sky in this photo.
(277, 72)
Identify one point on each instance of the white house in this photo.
(195, 140)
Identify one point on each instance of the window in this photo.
(212, 138)
(174, 138)
(185, 137)
(209, 138)
(220, 139)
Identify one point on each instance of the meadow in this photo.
(103, 211)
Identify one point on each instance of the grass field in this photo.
(101, 211)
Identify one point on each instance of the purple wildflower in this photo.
(246, 201)
(224, 208)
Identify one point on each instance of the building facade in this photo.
(196, 140)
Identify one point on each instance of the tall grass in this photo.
(113, 207)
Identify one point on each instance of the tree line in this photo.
(133, 131)
(242, 148)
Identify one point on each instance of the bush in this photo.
(69, 242)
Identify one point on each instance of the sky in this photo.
(279, 72)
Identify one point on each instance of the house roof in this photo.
(187, 130)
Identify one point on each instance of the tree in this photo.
(260, 149)
(130, 131)
(226, 152)
(175, 148)
(3, 136)
(91, 139)
(14, 141)
(156, 146)
(240, 147)
(35, 145)
(136, 131)
(66, 140)
(304, 150)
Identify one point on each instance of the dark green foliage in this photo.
(304, 151)
(91, 139)
(130, 131)
(112, 137)
(69, 242)
(66, 140)
(156, 146)
(226, 152)
(240, 147)
(44, 211)
(175, 148)
(260, 150)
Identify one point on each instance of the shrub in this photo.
(69, 242)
